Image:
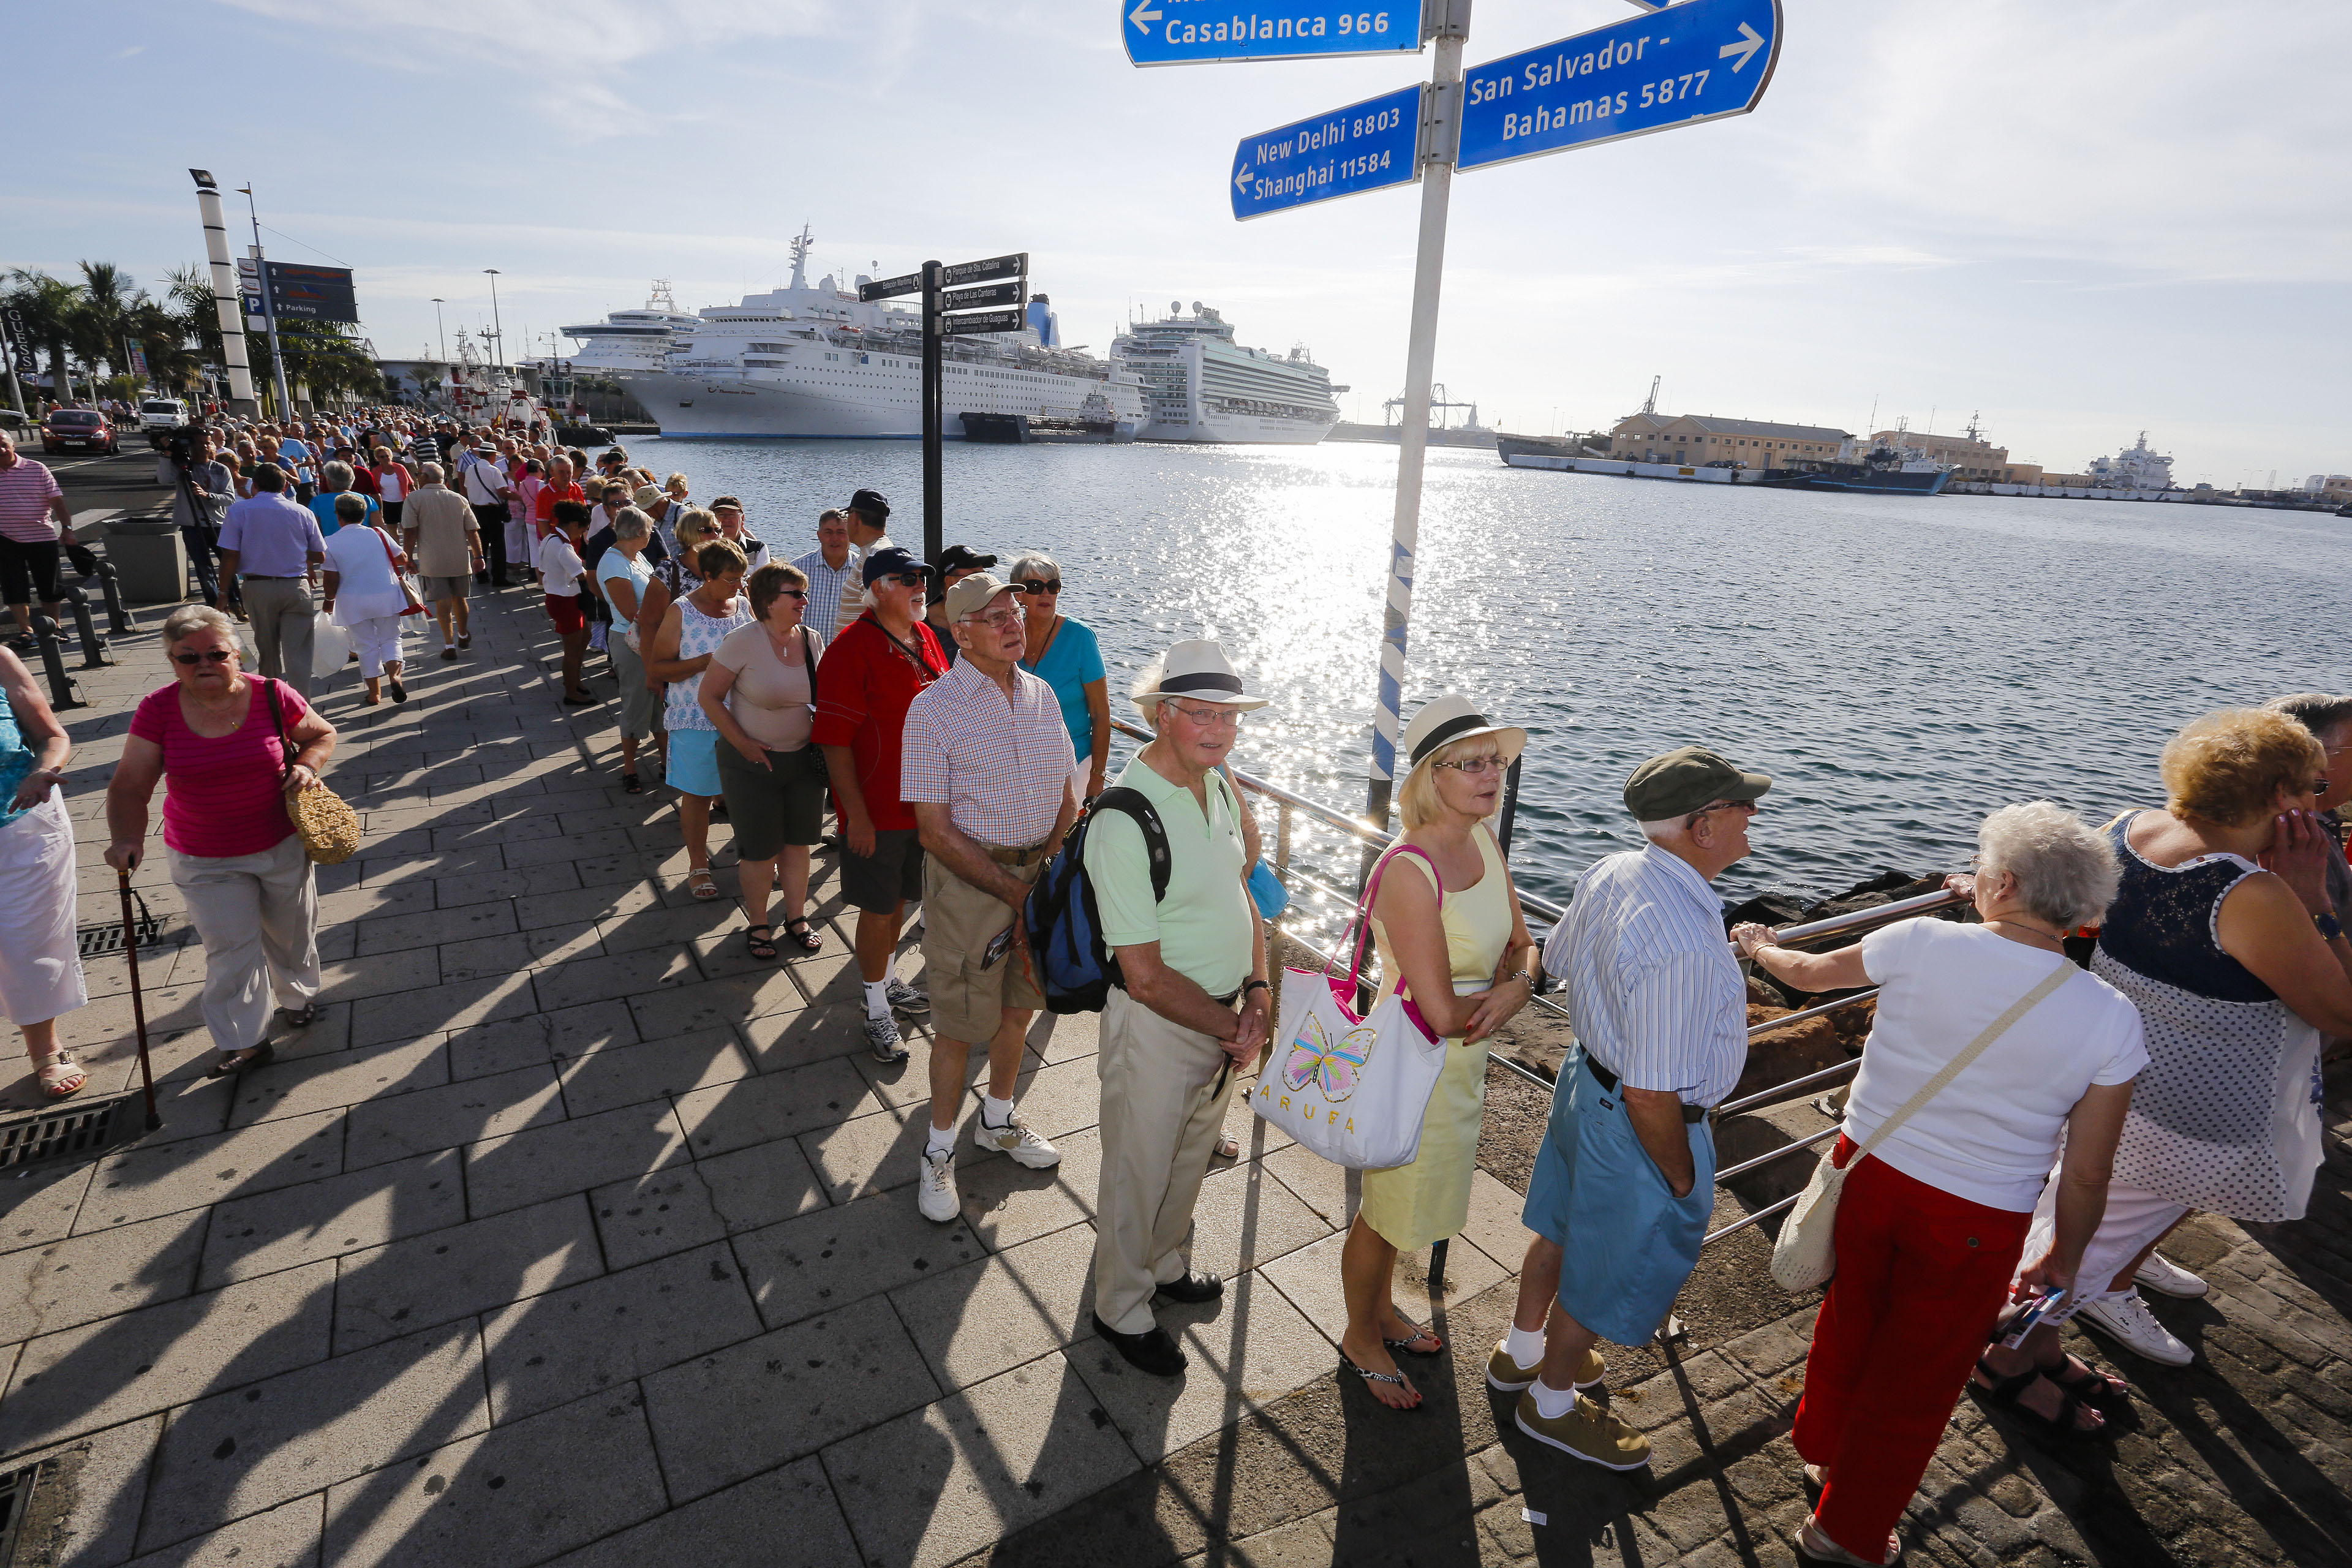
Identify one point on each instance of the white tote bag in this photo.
(1353, 1089)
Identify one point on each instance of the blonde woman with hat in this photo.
(1460, 947)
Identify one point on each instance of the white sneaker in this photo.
(2166, 1277)
(906, 998)
(1015, 1138)
(936, 1194)
(2125, 1319)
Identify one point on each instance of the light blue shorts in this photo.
(693, 762)
(1628, 1242)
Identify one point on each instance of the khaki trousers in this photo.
(257, 916)
(281, 613)
(1160, 1125)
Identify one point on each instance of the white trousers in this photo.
(40, 960)
(377, 639)
(2135, 1218)
(1160, 1125)
(519, 544)
(258, 918)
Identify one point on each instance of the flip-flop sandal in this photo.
(1405, 1346)
(60, 1076)
(2090, 1385)
(259, 1055)
(307, 1016)
(632, 785)
(1395, 1378)
(701, 884)
(797, 929)
(760, 947)
(2059, 1427)
(1228, 1148)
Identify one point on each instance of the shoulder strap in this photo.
(1134, 805)
(278, 722)
(1362, 934)
(1974, 1048)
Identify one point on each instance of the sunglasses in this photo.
(210, 656)
(1039, 585)
(906, 579)
(793, 593)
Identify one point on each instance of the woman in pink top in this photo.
(234, 854)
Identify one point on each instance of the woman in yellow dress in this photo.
(1466, 959)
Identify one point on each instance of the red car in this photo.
(79, 430)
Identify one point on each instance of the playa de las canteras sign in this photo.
(1362, 147)
(1700, 61)
(1201, 32)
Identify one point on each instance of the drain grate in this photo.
(15, 1502)
(96, 942)
(81, 1127)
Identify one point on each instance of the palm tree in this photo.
(104, 309)
(164, 332)
(190, 290)
(47, 306)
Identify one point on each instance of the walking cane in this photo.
(137, 1007)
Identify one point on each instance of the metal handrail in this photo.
(1744, 1166)
(1781, 1092)
(1872, 916)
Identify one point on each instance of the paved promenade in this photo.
(570, 1234)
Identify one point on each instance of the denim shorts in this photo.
(1628, 1242)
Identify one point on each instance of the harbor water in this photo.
(1900, 666)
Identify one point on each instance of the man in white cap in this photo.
(982, 746)
(1190, 1005)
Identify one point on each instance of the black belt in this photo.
(1608, 1080)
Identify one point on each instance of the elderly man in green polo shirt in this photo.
(1192, 1002)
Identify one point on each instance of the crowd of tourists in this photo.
(2025, 1129)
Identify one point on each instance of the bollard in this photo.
(118, 619)
(95, 654)
(61, 686)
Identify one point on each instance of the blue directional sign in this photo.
(1198, 32)
(1697, 62)
(1345, 152)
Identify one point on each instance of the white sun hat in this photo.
(1450, 718)
(1198, 671)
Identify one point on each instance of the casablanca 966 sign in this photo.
(1205, 32)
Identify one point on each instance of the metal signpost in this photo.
(947, 315)
(1670, 67)
(1364, 147)
(1198, 32)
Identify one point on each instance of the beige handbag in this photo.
(324, 820)
(1805, 1256)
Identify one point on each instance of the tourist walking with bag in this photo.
(1624, 1182)
(40, 954)
(368, 595)
(1191, 1008)
(1988, 1049)
(444, 541)
(691, 631)
(759, 692)
(987, 769)
(2224, 936)
(236, 857)
(1447, 923)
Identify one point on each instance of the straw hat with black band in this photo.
(1198, 671)
(1445, 719)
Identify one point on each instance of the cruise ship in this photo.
(812, 361)
(1204, 387)
(630, 340)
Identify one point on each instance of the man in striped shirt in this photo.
(1624, 1183)
(980, 748)
(832, 569)
(34, 516)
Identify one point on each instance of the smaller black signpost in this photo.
(947, 315)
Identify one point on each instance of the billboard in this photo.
(312, 294)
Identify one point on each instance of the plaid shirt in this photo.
(1002, 768)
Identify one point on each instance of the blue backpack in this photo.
(1074, 970)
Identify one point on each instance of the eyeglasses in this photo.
(1039, 585)
(2318, 786)
(210, 656)
(1001, 620)
(1746, 806)
(1208, 718)
(1474, 765)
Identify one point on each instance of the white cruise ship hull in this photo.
(1202, 385)
(1270, 428)
(821, 399)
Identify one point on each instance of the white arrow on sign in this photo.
(1241, 180)
(1142, 17)
(1750, 40)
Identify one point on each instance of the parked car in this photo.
(79, 430)
(162, 413)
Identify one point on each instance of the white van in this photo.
(162, 413)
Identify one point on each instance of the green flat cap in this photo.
(1680, 782)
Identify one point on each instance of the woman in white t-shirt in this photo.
(364, 596)
(1930, 1225)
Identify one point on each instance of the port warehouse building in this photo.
(1763, 444)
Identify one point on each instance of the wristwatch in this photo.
(2330, 928)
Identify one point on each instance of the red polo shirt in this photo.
(865, 684)
(543, 509)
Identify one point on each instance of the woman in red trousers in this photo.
(1931, 1222)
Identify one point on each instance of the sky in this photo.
(2074, 221)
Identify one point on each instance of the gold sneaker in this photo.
(1588, 1432)
(1509, 1377)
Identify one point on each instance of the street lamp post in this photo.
(499, 361)
(268, 307)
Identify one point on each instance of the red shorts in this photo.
(564, 610)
